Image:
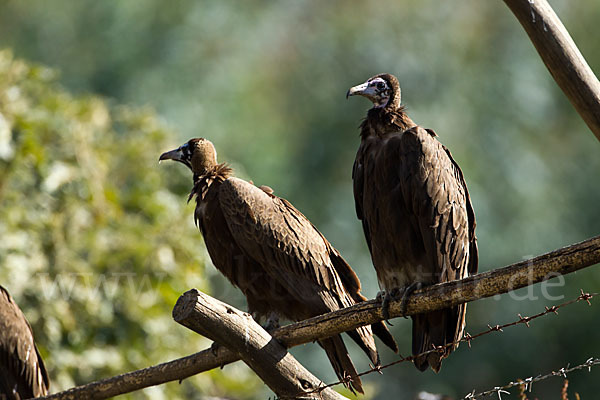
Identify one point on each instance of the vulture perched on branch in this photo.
(280, 261)
(416, 213)
(22, 371)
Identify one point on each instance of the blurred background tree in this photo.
(97, 241)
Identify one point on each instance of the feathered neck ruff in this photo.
(216, 173)
(380, 121)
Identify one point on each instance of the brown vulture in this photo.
(266, 247)
(416, 213)
(22, 371)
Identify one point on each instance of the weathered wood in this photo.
(559, 262)
(239, 332)
(562, 57)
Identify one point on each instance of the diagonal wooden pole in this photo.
(238, 331)
(562, 58)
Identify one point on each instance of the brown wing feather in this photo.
(262, 292)
(358, 180)
(23, 370)
(473, 250)
(278, 236)
(438, 197)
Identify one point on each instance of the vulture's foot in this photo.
(256, 316)
(272, 322)
(214, 348)
(406, 293)
(385, 297)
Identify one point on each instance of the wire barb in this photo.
(499, 392)
(468, 338)
(524, 320)
(585, 297)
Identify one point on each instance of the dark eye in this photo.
(380, 85)
(185, 149)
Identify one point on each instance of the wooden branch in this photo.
(559, 262)
(175, 370)
(238, 331)
(562, 58)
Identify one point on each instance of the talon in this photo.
(272, 322)
(214, 348)
(396, 292)
(384, 297)
(408, 291)
(385, 308)
(255, 316)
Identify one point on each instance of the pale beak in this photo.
(175, 155)
(361, 90)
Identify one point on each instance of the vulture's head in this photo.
(198, 154)
(383, 90)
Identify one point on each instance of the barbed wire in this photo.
(528, 382)
(583, 296)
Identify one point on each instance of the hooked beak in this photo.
(361, 90)
(175, 155)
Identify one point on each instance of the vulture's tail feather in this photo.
(341, 362)
(382, 332)
(433, 329)
(363, 337)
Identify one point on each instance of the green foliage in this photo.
(97, 242)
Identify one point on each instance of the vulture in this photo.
(416, 214)
(22, 371)
(272, 252)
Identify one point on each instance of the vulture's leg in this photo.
(406, 292)
(385, 297)
(214, 348)
(402, 293)
(272, 322)
(256, 316)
